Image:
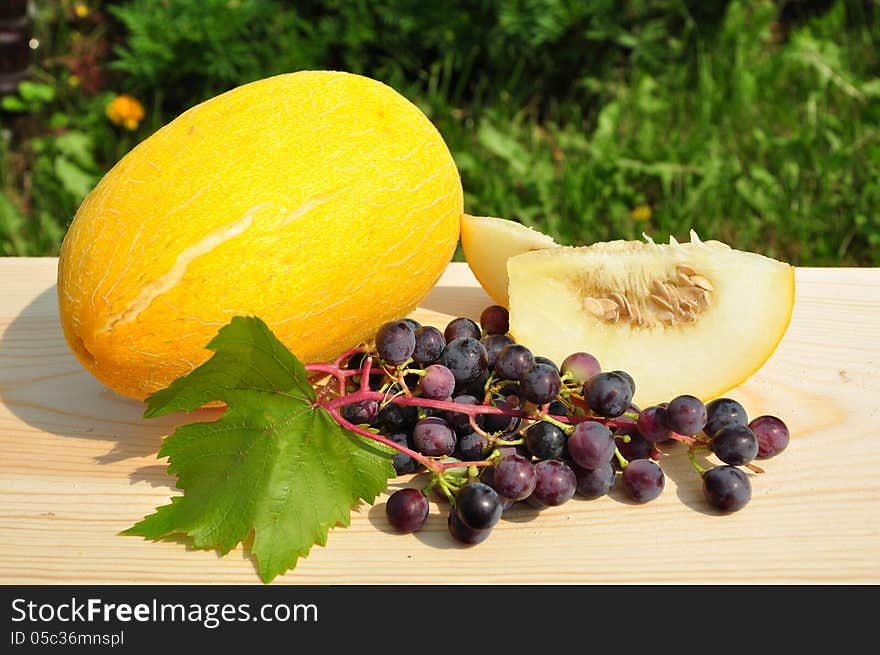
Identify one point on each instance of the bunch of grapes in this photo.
(496, 424)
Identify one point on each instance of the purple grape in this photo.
(495, 319)
(629, 379)
(466, 358)
(407, 510)
(591, 444)
(487, 476)
(463, 533)
(735, 445)
(772, 435)
(643, 480)
(472, 447)
(411, 380)
(433, 437)
(397, 418)
(461, 327)
(608, 394)
(512, 361)
(555, 483)
(540, 383)
(546, 360)
(557, 408)
(499, 422)
(429, 345)
(437, 383)
(459, 421)
(475, 387)
(512, 393)
(413, 323)
(514, 477)
(652, 424)
(518, 449)
(478, 506)
(377, 376)
(402, 462)
(544, 440)
(494, 423)
(493, 343)
(636, 448)
(727, 488)
(594, 483)
(686, 415)
(722, 413)
(363, 412)
(395, 342)
(582, 366)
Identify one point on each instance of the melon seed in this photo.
(700, 281)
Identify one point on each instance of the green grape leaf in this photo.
(275, 466)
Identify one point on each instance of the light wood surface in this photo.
(78, 464)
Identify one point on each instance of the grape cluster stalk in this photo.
(495, 424)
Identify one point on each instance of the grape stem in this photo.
(472, 410)
(344, 356)
(472, 420)
(364, 393)
(552, 420)
(401, 373)
(690, 441)
(444, 485)
(365, 376)
(427, 462)
(431, 464)
(692, 455)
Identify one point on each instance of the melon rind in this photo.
(488, 242)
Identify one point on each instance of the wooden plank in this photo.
(79, 465)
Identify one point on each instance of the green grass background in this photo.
(753, 122)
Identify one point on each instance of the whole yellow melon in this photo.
(323, 202)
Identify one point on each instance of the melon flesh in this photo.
(749, 310)
(488, 242)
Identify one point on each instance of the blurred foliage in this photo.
(754, 122)
(767, 143)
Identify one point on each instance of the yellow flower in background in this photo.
(74, 81)
(126, 111)
(641, 213)
(81, 10)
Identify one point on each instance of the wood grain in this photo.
(79, 464)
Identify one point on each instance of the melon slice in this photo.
(696, 318)
(489, 242)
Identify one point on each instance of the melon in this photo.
(488, 242)
(693, 318)
(323, 202)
